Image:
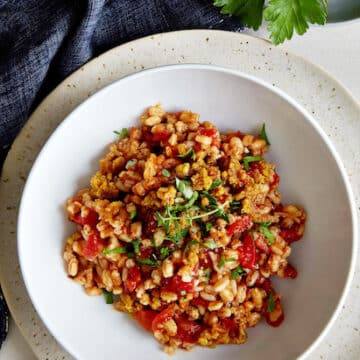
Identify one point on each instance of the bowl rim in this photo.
(223, 70)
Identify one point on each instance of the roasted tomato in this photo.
(176, 285)
(290, 272)
(276, 317)
(292, 234)
(90, 219)
(160, 318)
(188, 330)
(133, 278)
(247, 253)
(241, 224)
(93, 245)
(146, 318)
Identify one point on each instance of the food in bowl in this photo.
(182, 228)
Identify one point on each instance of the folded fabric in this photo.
(43, 41)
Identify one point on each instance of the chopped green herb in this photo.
(184, 188)
(132, 214)
(147, 262)
(119, 250)
(164, 252)
(131, 163)
(179, 235)
(271, 303)
(130, 255)
(108, 297)
(136, 244)
(269, 235)
(211, 198)
(207, 273)
(230, 259)
(122, 134)
(250, 159)
(190, 152)
(209, 245)
(216, 183)
(237, 272)
(208, 226)
(189, 244)
(264, 136)
(221, 262)
(166, 173)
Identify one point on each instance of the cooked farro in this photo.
(183, 227)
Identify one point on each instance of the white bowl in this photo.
(311, 175)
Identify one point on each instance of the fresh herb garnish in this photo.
(209, 244)
(221, 261)
(230, 259)
(164, 252)
(208, 226)
(122, 134)
(131, 163)
(264, 136)
(190, 152)
(147, 262)
(271, 303)
(108, 297)
(211, 198)
(216, 183)
(132, 214)
(119, 250)
(183, 186)
(283, 16)
(136, 244)
(237, 272)
(166, 173)
(207, 273)
(264, 229)
(189, 244)
(249, 159)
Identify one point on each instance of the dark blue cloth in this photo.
(43, 41)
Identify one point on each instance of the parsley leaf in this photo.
(119, 250)
(249, 12)
(136, 244)
(164, 252)
(190, 152)
(285, 16)
(108, 297)
(271, 303)
(189, 244)
(165, 172)
(183, 186)
(216, 183)
(249, 159)
(264, 228)
(264, 136)
(209, 245)
(221, 263)
(132, 214)
(237, 272)
(147, 262)
(122, 134)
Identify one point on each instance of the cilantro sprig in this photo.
(283, 16)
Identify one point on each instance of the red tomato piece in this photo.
(290, 272)
(149, 222)
(275, 181)
(291, 235)
(93, 245)
(188, 330)
(157, 137)
(176, 285)
(267, 285)
(146, 318)
(90, 219)
(231, 326)
(160, 318)
(200, 301)
(133, 278)
(241, 224)
(279, 320)
(247, 253)
(211, 133)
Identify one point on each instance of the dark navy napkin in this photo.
(43, 41)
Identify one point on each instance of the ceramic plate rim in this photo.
(236, 73)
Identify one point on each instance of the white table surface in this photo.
(335, 48)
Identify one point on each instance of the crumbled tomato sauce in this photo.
(157, 137)
(188, 330)
(230, 325)
(146, 318)
(160, 318)
(200, 301)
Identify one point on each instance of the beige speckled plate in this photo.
(331, 105)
